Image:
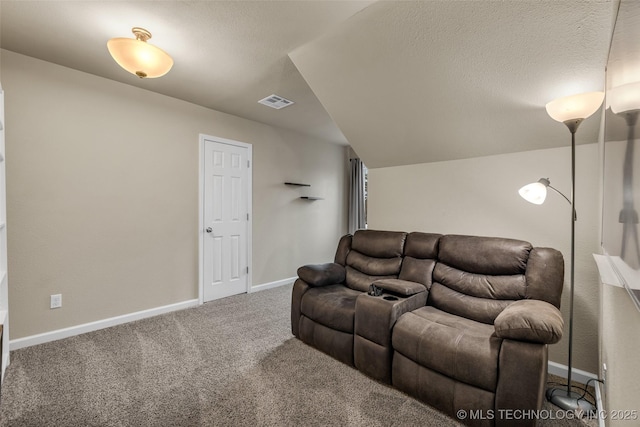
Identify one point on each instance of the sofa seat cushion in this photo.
(333, 306)
(457, 347)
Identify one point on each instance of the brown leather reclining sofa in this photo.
(461, 322)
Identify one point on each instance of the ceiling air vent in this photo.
(275, 101)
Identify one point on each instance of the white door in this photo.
(225, 219)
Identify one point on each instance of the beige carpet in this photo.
(232, 362)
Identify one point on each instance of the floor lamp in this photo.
(571, 111)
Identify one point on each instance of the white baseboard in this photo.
(265, 286)
(125, 318)
(577, 375)
(99, 324)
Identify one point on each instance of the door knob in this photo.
(209, 230)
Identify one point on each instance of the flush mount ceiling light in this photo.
(139, 57)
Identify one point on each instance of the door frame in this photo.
(201, 233)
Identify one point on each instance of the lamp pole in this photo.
(573, 127)
(569, 400)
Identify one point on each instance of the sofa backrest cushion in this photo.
(374, 255)
(545, 275)
(344, 246)
(420, 254)
(478, 277)
(485, 255)
(379, 244)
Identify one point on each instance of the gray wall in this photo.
(102, 184)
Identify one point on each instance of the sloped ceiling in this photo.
(404, 81)
(415, 82)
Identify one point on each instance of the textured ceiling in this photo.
(228, 54)
(405, 82)
(414, 82)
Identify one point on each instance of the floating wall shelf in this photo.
(297, 184)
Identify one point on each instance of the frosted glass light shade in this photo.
(575, 107)
(139, 57)
(534, 193)
(625, 98)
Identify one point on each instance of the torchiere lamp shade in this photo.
(575, 107)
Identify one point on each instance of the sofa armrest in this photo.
(530, 320)
(322, 274)
(400, 287)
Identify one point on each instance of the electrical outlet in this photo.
(56, 301)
